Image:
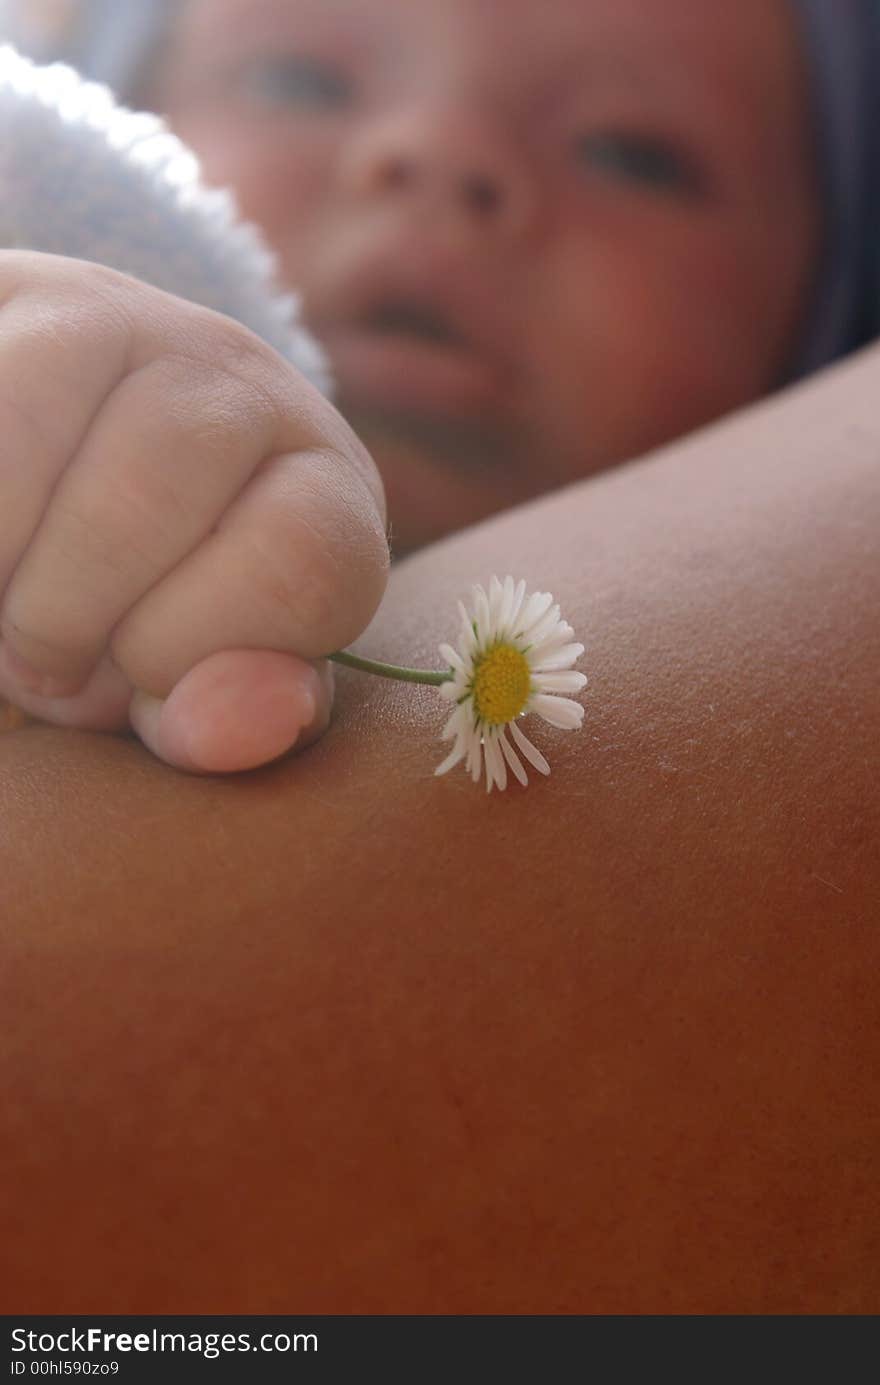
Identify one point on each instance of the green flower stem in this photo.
(405, 675)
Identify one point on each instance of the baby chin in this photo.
(440, 474)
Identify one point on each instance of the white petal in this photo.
(506, 607)
(496, 760)
(456, 725)
(487, 756)
(496, 597)
(481, 612)
(536, 605)
(550, 643)
(474, 760)
(559, 711)
(452, 691)
(452, 759)
(468, 640)
(513, 759)
(453, 659)
(542, 628)
(563, 657)
(532, 754)
(513, 618)
(568, 682)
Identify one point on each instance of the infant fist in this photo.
(187, 526)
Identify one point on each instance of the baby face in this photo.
(536, 240)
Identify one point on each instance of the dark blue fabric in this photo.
(842, 39)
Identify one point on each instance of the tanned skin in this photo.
(338, 1036)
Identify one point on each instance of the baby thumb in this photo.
(236, 710)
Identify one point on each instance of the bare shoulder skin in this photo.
(338, 1036)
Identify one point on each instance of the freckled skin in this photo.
(608, 1044)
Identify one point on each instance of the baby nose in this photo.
(453, 164)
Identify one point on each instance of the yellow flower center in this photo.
(501, 684)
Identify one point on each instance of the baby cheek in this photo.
(279, 182)
(627, 355)
(592, 339)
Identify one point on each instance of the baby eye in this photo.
(295, 81)
(641, 159)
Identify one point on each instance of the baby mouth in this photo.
(411, 320)
(407, 355)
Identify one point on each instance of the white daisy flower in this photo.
(514, 657)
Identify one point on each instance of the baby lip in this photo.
(413, 330)
(414, 320)
(410, 288)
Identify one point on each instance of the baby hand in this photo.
(186, 525)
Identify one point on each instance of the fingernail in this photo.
(19, 671)
(145, 713)
(238, 710)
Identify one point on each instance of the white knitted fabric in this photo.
(83, 177)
